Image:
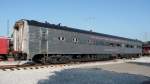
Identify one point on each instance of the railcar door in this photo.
(44, 41)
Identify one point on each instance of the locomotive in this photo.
(50, 43)
(6, 49)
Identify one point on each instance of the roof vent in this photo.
(91, 30)
(47, 22)
(59, 24)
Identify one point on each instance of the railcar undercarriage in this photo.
(67, 58)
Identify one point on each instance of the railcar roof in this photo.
(146, 46)
(4, 37)
(48, 25)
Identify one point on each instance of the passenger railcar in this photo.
(45, 42)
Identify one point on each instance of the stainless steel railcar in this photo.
(45, 42)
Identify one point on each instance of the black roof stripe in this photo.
(48, 25)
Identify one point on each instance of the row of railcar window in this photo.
(105, 43)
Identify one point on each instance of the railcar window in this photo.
(119, 45)
(129, 46)
(106, 43)
(139, 46)
(132, 46)
(93, 42)
(75, 40)
(61, 38)
(111, 44)
(100, 43)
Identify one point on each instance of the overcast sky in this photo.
(125, 18)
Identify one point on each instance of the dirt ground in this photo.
(121, 71)
(130, 68)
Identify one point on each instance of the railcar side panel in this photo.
(45, 38)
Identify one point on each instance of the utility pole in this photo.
(90, 22)
(146, 36)
(8, 28)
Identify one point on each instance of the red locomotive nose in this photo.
(4, 45)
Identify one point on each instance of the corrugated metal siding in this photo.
(56, 46)
(58, 27)
(34, 40)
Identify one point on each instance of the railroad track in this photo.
(27, 67)
(34, 66)
(37, 66)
